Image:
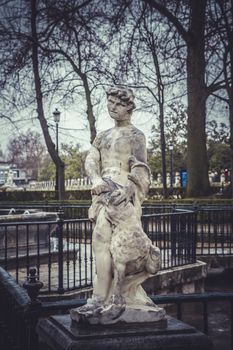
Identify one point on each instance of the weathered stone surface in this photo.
(60, 333)
(181, 279)
(131, 314)
(125, 256)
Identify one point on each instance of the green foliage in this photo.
(28, 196)
(219, 156)
(218, 149)
(73, 159)
(176, 134)
(47, 171)
(179, 155)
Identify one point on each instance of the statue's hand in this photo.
(99, 186)
(124, 194)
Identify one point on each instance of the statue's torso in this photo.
(116, 146)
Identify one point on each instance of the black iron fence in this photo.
(77, 211)
(214, 227)
(175, 234)
(215, 231)
(61, 250)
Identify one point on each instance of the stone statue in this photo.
(10, 178)
(125, 256)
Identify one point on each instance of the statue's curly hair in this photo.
(123, 93)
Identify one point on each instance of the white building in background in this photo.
(19, 175)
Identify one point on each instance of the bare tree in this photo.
(27, 151)
(152, 46)
(75, 37)
(39, 100)
(148, 63)
(221, 18)
(192, 33)
(50, 38)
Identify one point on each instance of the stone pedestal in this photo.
(60, 333)
(131, 314)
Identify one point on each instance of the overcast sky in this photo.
(73, 128)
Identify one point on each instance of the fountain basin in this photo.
(27, 233)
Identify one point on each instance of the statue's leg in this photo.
(119, 277)
(116, 304)
(101, 247)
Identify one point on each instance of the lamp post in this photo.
(56, 118)
(171, 168)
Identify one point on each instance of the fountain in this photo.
(26, 233)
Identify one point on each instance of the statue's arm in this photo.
(139, 176)
(139, 148)
(92, 167)
(139, 170)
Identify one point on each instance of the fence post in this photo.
(32, 286)
(173, 232)
(195, 231)
(60, 223)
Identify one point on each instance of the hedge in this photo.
(84, 197)
(27, 196)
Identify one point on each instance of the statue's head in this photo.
(124, 93)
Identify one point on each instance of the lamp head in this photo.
(56, 115)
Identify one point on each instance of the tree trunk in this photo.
(160, 100)
(231, 140)
(40, 109)
(197, 164)
(230, 96)
(163, 150)
(90, 114)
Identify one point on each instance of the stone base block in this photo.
(60, 333)
(131, 314)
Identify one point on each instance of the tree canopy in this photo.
(177, 55)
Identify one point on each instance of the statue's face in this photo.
(118, 109)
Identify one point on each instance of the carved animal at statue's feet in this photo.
(132, 251)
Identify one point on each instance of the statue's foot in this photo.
(111, 312)
(115, 308)
(93, 306)
(95, 312)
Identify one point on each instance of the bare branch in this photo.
(174, 20)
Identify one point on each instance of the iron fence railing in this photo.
(61, 250)
(214, 227)
(215, 231)
(75, 211)
(72, 211)
(174, 234)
